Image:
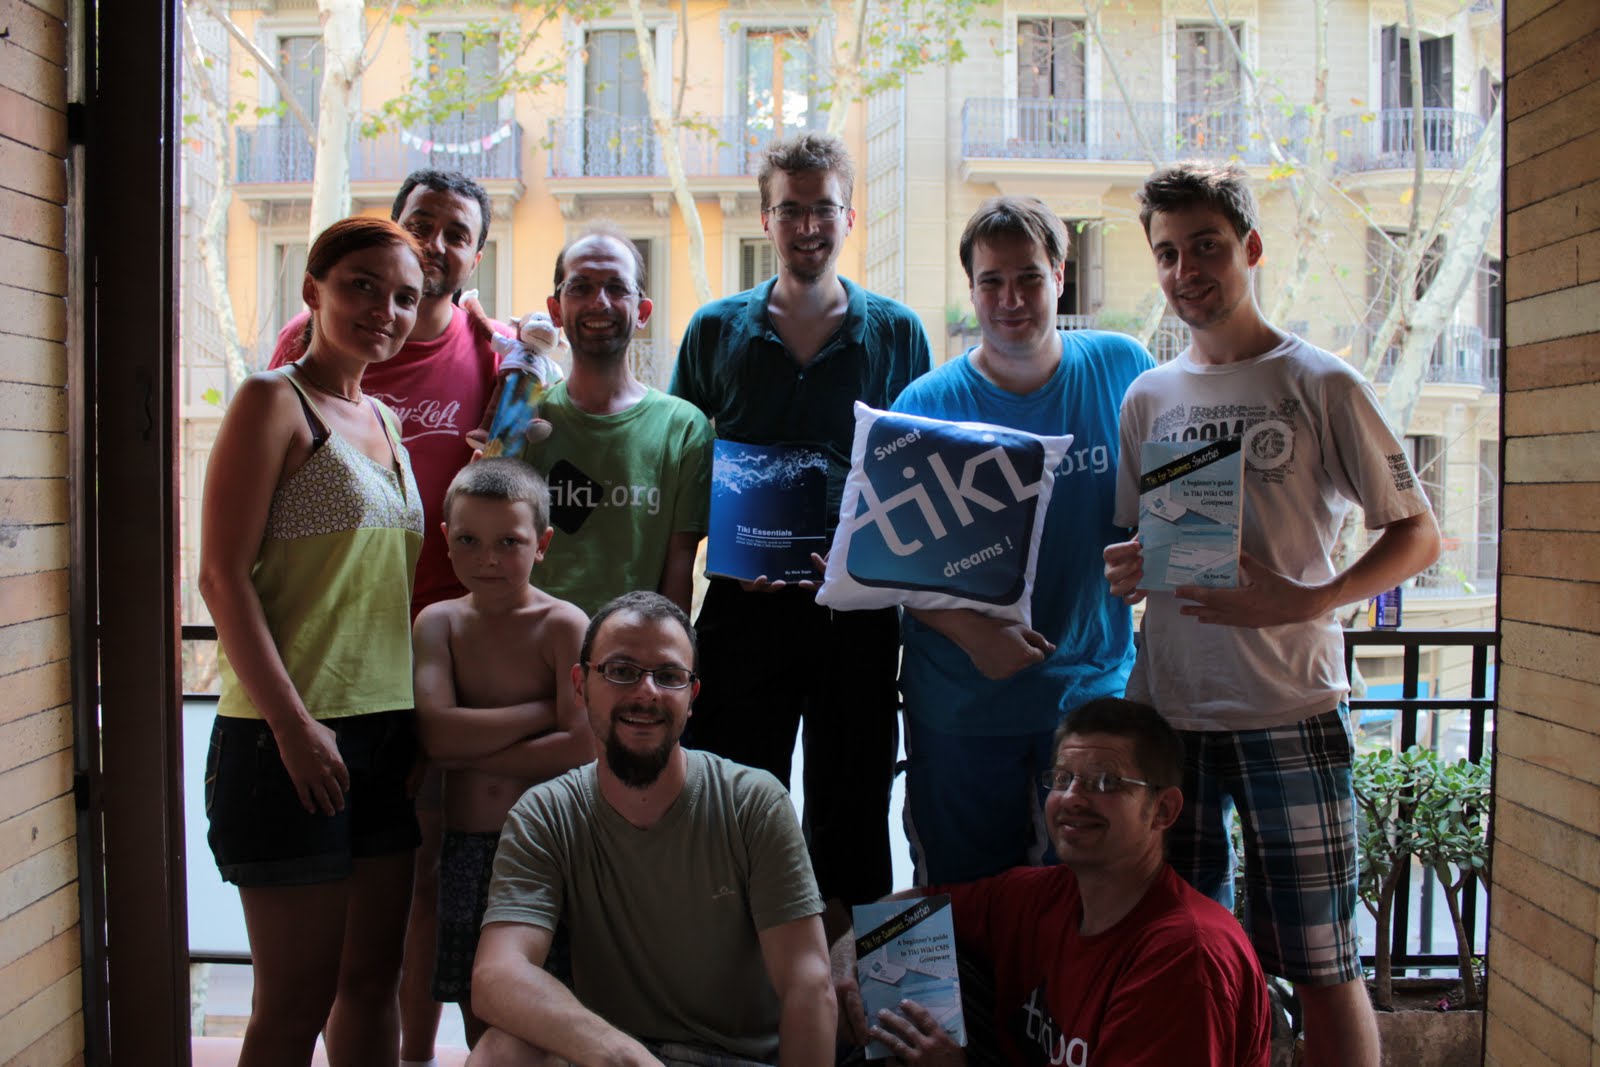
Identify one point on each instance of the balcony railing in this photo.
(482, 151)
(1461, 356)
(622, 146)
(1466, 567)
(1110, 131)
(1387, 140)
(1457, 726)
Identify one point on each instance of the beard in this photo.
(436, 281)
(606, 349)
(637, 770)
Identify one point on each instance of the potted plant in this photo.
(1414, 806)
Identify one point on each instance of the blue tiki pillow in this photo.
(940, 514)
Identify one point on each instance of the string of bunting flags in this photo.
(475, 146)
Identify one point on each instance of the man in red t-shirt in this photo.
(438, 383)
(442, 377)
(1108, 958)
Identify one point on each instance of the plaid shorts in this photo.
(1291, 786)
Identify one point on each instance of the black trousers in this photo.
(770, 661)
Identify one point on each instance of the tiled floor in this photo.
(226, 999)
(224, 1052)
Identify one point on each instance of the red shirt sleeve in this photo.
(291, 344)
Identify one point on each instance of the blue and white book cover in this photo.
(769, 511)
(906, 950)
(1191, 498)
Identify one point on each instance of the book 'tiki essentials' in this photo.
(769, 511)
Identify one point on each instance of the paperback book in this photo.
(769, 511)
(1191, 499)
(906, 950)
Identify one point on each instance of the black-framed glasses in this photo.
(1100, 783)
(826, 211)
(621, 672)
(616, 289)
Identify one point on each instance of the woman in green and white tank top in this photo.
(310, 532)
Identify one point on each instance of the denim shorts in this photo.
(260, 834)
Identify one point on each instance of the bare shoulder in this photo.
(554, 622)
(266, 396)
(435, 621)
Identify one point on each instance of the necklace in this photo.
(311, 380)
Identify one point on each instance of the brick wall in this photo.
(41, 1021)
(1545, 906)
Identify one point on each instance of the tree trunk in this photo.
(1456, 270)
(211, 242)
(1470, 997)
(667, 137)
(342, 41)
(1382, 970)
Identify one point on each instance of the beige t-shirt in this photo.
(1315, 442)
(663, 922)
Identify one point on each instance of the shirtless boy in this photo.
(492, 708)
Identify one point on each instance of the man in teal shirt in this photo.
(784, 363)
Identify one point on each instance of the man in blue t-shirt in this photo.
(784, 364)
(983, 695)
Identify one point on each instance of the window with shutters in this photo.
(758, 261)
(779, 79)
(478, 55)
(1437, 55)
(300, 63)
(617, 136)
(1083, 274)
(1051, 81)
(1209, 85)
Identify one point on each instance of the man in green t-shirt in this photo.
(629, 467)
(681, 878)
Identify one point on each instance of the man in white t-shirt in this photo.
(1253, 678)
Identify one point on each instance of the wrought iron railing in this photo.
(623, 146)
(1478, 705)
(481, 150)
(1389, 140)
(1462, 355)
(1111, 131)
(1466, 567)
(1410, 922)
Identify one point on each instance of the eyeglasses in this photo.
(1100, 783)
(824, 212)
(621, 672)
(616, 290)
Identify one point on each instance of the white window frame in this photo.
(269, 240)
(502, 274)
(1249, 43)
(737, 229)
(505, 107)
(1380, 17)
(662, 26)
(735, 25)
(1091, 65)
(268, 37)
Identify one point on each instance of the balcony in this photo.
(609, 156)
(1465, 568)
(1461, 356)
(1387, 140)
(282, 154)
(1013, 137)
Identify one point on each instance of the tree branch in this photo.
(285, 91)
